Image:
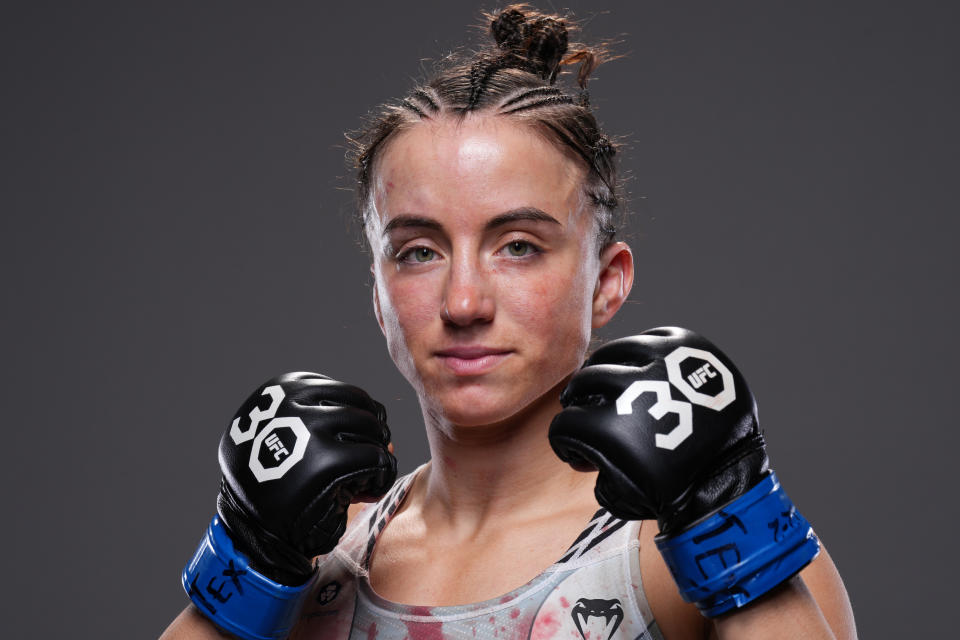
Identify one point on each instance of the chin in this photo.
(471, 408)
(474, 417)
(481, 407)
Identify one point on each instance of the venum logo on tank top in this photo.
(611, 611)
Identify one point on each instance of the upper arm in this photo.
(674, 617)
(825, 585)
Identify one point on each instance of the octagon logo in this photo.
(711, 368)
(283, 441)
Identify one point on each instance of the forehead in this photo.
(481, 165)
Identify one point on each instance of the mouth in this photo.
(471, 360)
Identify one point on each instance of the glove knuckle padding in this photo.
(350, 424)
(344, 456)
(598, 385)
(641, 349)
(326, 392)
(721, 457)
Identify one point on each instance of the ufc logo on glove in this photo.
(665, 404)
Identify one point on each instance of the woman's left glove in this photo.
(672, 427)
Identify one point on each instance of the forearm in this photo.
(192, 625)
(789, 611)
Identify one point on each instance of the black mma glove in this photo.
(283, 517)
(298, 452)
(672, 427)
(677, 468)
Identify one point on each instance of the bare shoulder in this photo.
(676, 618)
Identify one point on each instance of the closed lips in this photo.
(472, 360)
(469, 353)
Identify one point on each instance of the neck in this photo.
(479, 473)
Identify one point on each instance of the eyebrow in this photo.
(523, 213)
(405, 221)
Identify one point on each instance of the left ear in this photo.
(613, 282)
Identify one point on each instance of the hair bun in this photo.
(538, 41)
(507, 29)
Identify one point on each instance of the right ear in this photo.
(376, 300)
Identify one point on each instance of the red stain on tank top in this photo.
(423, 630)
(564, 602)
(372, 631)
(545, 627)
(522, 627)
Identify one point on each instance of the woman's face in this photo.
(487, 278)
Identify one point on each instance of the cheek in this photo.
(554, 310)
(406, 308)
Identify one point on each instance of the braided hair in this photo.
(515, 78)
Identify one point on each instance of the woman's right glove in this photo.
(298, 452)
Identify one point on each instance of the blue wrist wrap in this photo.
(742, 551)
(236, 598)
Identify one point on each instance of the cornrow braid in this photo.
(421, 104)
(537, 92)
(516, 78)
(537, 104)
(480, 73)
(408, 103)
(424, 96)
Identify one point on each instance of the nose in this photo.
(468, 295)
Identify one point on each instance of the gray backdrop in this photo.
(175, 230)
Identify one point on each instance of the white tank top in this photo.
(593, 592)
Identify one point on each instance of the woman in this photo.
(488, 199)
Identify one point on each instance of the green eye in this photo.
(518, 249)
(423, 254)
